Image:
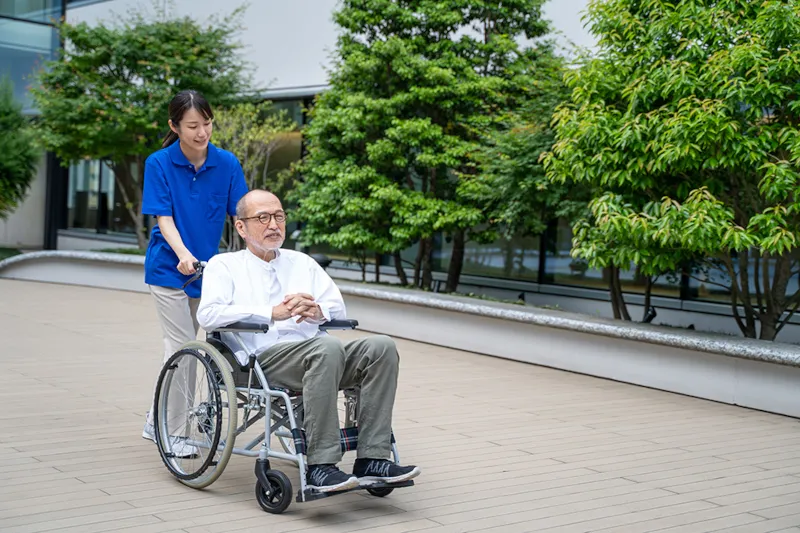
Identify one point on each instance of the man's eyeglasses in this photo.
(264, 218)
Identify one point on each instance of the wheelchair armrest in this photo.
(244, 326)
(339, 324)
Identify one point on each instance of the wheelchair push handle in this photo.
(198, 273)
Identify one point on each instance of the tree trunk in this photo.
(777, 301)
(744, 288)
(456, 262)
(427, 271)
(130, 187)
(769, 328)
(747, 326)
(362, 262)
(648, 293)
(622, 305)
(418, 262)
(617, 300)
(235, 242)
(398, 266)
(377, 268)
(609, 272)
(508, 261)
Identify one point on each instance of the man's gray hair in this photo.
(241, 206)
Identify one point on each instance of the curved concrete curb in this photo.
(754, 350)
(770, 352)
(73, 255)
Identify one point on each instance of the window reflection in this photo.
(563, 269)
(83, 198)
(515, 259)
(93, 200)
(36, 10)
(710, 281)
(24, 48)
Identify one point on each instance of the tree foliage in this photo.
(393, 145)
(106, 96)
(18, 152)
(685, 127)
(254, 131)
(513, 186)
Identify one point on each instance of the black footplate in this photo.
(313, 494)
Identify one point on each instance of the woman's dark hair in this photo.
(180, 104)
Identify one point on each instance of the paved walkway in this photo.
(505, 446)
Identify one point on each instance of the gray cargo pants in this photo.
(322, 366)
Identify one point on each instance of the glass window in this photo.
(562, 269)
(286, 152)
(84, 185)
(38, 10)
(24, 47)
(711, 281)
(516, 258)
(294, 108)
(94, 202)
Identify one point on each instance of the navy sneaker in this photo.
(328, 478)
(371, 471)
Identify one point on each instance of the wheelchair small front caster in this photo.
(381, 492)
(277, 497)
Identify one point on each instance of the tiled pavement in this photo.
(504, 446)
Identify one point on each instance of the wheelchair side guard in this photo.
(251, 327)
(339, 324)
(238, 327)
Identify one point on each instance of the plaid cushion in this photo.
(348, 438)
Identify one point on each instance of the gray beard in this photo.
(263, 251)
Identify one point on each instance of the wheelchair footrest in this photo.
(312, 494)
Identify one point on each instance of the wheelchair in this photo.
(214, 388)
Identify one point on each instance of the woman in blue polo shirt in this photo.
(189, 186)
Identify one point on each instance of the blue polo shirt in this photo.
(197, 201)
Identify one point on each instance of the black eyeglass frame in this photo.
(266, 218)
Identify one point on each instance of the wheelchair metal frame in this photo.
(257, 397)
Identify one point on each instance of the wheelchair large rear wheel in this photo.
(196, 414)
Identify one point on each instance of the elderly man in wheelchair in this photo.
(268, 354)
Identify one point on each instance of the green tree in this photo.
(106, 96)
(416, 87)
(254, 131)
(685, 126)
(513, 186)
(18, 153)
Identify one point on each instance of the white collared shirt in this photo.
(241, 287)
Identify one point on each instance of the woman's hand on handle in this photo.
(186, 264)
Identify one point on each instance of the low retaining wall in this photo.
(750, 373)
(92, 269)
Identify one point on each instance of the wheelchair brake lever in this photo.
(198, 267)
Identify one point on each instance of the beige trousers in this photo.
(178, 316)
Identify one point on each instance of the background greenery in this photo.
(671, 150)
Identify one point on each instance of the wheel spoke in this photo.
(191, 417)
